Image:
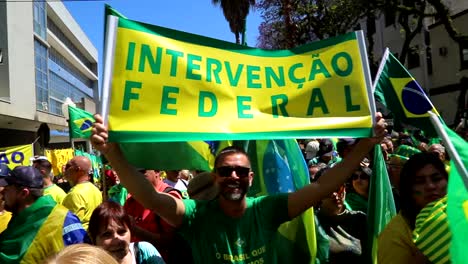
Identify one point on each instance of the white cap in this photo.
(37, 158)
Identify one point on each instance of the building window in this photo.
(39, 12)
(69, 44)
(464, 55)
(40, 60)
(60, 89)
(62, 67)
(413, 57)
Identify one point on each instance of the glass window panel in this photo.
(44, 64)
(38, 77)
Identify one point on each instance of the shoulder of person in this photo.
(149, 254)
(184, 182)
(274, 198)
(356, 214)
(146, 246)
(176, 193)
(172, 191)
(73, 195)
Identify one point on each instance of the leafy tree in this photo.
(235, 12)
(289, 23)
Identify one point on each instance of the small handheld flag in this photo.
(395, 88)
(80, 123)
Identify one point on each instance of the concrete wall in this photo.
(57, 10)
(20, 81)
(4, 79)
(447, 68)
(446, 105)
(17, 73)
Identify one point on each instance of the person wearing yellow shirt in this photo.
(56, 192)
(83, 197)
(423, 180)
(45, 167)
(5, 216)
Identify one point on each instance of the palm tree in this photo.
(235, 12)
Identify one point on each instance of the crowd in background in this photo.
(41, 215)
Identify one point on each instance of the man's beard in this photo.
(234, 196)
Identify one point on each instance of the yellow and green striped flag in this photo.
(432, 234)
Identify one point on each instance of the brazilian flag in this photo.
(80, 123)
(279, 167)
(395, 88)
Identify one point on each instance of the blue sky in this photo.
(193, 16)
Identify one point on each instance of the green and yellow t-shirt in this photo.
(56, 192)
(82, 199)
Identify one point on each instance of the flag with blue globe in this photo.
(395, 88)
(80, 123)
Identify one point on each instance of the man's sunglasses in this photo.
(226, 171)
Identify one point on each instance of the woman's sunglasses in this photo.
(362, 176)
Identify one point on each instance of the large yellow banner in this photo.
(174, 86)
(16, 155)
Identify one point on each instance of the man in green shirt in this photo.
(232, 228)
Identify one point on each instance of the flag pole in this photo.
(450, 148)
(109, 49)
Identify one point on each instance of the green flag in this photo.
(395, 88)
(192, 155)
(457, 207)
(457, 194)
(381, 207)
(80, 123)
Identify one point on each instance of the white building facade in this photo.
(44, 58)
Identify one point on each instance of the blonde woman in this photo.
(82, 254)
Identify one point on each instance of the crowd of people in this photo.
(151, 216)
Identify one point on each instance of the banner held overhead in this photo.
(174, 86)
